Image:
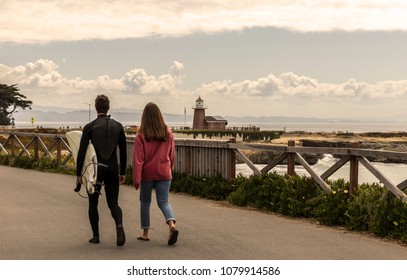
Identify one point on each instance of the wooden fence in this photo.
(210, 157)
(353, 154)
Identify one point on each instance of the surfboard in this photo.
(90, 164)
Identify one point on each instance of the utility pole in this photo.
(185, 117)
(89, 109)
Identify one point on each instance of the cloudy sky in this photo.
(325, 59)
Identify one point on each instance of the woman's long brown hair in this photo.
(153, 126)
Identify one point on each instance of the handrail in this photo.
(204, 157)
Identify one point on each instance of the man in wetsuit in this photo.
(106, 135)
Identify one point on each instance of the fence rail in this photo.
(210, 157)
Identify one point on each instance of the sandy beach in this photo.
(391, 141)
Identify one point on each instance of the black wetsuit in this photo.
(106, 135)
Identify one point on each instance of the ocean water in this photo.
(332, 126)
(395, 172)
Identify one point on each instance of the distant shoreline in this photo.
(389, 141)
(320, 126)
(395, 137)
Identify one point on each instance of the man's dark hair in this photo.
(102, 104)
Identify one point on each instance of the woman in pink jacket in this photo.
(153, 160)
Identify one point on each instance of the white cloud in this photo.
(136, 79)
(139, 80)
(293, 88)
(176, 69)
(31, 21)
(41, 82)
(285, 94)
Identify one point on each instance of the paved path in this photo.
(42, 218)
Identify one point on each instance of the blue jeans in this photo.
(162, 189)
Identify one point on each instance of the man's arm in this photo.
(123, 151)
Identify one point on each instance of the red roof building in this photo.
(201, 121)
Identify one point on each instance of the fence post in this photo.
(231, 158)
(12, 148)
(291, 160)
(354, 172)
(188, 160)
(59, 150)
(36, 147)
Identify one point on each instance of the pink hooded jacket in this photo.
(153, 160)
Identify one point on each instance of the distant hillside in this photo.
(80, 116)
(63, 115)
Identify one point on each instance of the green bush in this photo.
(5, 159)
(23, 162)
(129, 176)
(215, 187)
(331, 208)
(258, 191)
(390, 218)
(363, 208)
(276, 193)
(45, 164)
(297, 194)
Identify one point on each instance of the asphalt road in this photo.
(43, 219)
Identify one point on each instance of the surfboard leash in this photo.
(83, 179)
(78, 185)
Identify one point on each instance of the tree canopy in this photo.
(10, 100)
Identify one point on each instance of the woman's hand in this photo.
(122, 179)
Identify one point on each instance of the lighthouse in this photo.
(206, 122)
(199, 114)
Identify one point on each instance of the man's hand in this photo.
(136, 185)
(122, 178)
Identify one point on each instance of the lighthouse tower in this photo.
(199, 115)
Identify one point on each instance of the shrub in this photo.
(47, 164)
(363, 207)
(330, 208)
(296, 195)
(215, 187)
(261, 191)
(23, 162)
(129, 176)
(390, 218)
(276, 193)
(5, 159)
